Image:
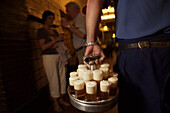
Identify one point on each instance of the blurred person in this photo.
(78, 29)
(143, 32)
(49, 41)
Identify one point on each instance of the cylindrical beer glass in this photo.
(73, 74)
(91, 91)
(104, 90)
(79, 89)
(105, 71)
(113, 87)
(87, 75)
(71, 84)
(98, 76)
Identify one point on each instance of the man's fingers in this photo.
(97, 61)
(91, 62)
(102, 58)
(85, 62)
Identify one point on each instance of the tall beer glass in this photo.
(79, 89)
(71, 84)
(73, 74)
(97, 76)
(82, 66)
(113, 87)
(105, 71)
(87, 75)
(104, 90)
(91, 91)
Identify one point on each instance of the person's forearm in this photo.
(92, 18)
(47, 45)
(77, 32)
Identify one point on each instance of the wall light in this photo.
(108, 10)
(113, 36)
(108, 16)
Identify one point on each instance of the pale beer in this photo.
(105, 71)
(104, 90)
(73, 74)
(98, 76)
(113, 87)
(82, 66)
(105, 65)
(71, 84)
(79, 89)
(91, 91)
(87, 75)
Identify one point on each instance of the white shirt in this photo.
(80, 23)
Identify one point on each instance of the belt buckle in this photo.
(144, 44)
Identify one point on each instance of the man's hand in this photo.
(64, 23)
(95, 50)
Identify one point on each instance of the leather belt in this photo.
(146, 44)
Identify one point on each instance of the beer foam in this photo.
(82, 66)
(97, 75)
(79, 85)
(87, 75)
(80, 73)
(113, 81)
(105, 72)
(105, 65)
(115, 74)
(72, 80)
(91, 87)
(104, 86)
(73, 74)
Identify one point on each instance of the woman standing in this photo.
(55, 69)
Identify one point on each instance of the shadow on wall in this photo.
(22, 74)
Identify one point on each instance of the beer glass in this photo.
(79, 89)
(82, 66)
(113, 87)
(97, 76)
(91, 91)
(80, 72)
(105, 71)
(104, 90)
(71, 84)
(87, 75)
(105, 65)
(115, 75)
(73, 74)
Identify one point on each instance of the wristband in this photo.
(91, 43)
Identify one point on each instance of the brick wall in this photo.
(21, 70)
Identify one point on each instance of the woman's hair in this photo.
(46, 14)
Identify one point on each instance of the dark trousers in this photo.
(143, 78)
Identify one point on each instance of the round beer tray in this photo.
(93, 106)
